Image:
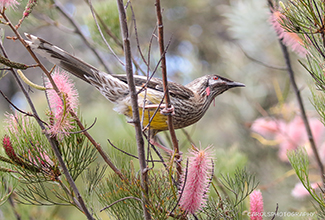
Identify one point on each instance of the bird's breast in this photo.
(186, 111)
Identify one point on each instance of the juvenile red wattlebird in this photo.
(189, 102)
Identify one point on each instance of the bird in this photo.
(188, 102)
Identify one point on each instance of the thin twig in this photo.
(183, 187)
(137, 37)
(165, 85)
(120, 200)
(114, 37)
(78, 31)
(124, 152)
(86, 129)
(276, 211)
(14, 106)
(131, 155)
(55, 23)
(14, 208)
(106, 29)
(302, 109)
(102, 35)
(135, 107)
(98, 147)
(262, 63)
(51, 140)
(300, 102)
(188, 137)
(156, 68)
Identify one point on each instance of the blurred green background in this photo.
(205, 37)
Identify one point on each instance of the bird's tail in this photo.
(111, 87)
(60, 57)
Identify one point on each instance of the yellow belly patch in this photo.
(158, 122)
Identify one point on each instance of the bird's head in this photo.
(211, 86)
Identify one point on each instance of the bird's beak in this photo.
(235, 84)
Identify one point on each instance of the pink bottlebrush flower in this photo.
(291, 137)
(17, 125)
(8, 3)
(290, 39)
(256, 205)
(294, 135)
(61, 122)
(300, 191)
(266, 127)
(193, 196)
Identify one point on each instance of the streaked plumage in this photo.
(190, 102)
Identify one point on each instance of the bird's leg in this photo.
(155, 143)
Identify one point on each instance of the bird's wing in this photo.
(107, 84)
(175, 89)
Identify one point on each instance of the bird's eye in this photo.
(215, 77)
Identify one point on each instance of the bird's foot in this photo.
(164, 109)
(168, 111)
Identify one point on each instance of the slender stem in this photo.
(165, 84)
(112, 35)
(78, 31)
(106, 28)
(13, 206)
(98, 147)
(300, 102)
(135, 109)
(54, 146)
(302, 109)
(101, 33)
(51, 140)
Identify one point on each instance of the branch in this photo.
(51, 140)
(302, 109)
(165, 85)
(98, 147)
(134, 104)
(300, 102)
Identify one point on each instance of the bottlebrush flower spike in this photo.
(29, 7)
(200, 168)
(256, 205)
(61, 122)
(9, 149)
(8, 3)
(14, 158)
(290, 39)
